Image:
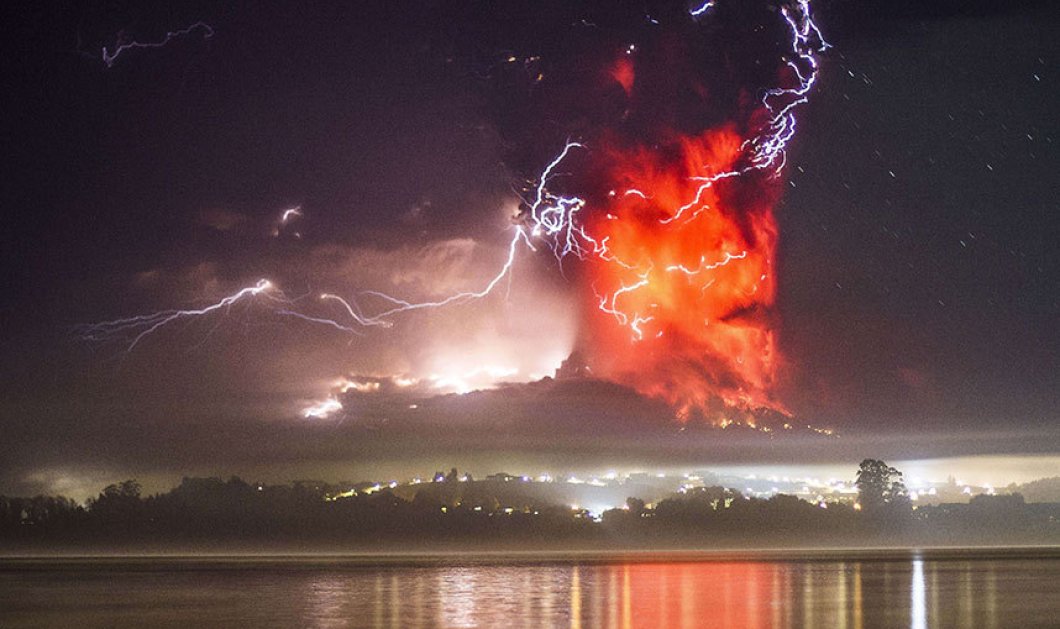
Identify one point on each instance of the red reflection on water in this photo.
(694, 594)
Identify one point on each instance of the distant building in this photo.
(502, 477)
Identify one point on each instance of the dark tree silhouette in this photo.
(118, 507)
(880, 487)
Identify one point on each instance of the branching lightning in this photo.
(142, 326)
(110, 57)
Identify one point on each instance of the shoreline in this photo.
(322, 559)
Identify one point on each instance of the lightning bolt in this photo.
(701, 9)
(142, 326)
(400, 305)
(110, 57)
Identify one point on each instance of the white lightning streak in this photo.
(110, 57)
(145, 325)
(405, 306)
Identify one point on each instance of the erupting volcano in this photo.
(676, 130)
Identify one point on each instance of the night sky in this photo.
(917, 276)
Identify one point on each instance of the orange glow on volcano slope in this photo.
(681, 290)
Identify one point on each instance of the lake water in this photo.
(855, 591)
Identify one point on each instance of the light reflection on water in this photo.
(854, 594)
(918, 617)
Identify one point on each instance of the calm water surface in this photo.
(855, 592)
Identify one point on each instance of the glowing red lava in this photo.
(681, 309)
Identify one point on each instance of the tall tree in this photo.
(880, 487)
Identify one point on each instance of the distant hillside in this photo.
(1041, 490)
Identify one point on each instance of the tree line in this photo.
(212, 510)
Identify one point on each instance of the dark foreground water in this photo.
(860, 590)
